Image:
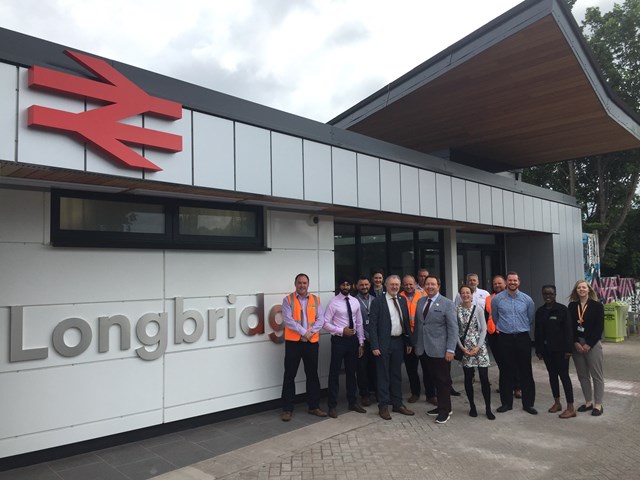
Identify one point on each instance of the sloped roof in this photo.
(521, 91)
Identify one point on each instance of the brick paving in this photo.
(516, 446)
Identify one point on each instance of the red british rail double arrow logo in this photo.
(101, 127)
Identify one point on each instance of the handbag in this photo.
(457, 355)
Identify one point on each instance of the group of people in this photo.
(396, 320)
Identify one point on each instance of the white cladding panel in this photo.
(459, 199)
(509, 208)
(410, 190)
(390, 186)
(529, 221)
(317, 172)
(486, 206)
(345, 177)
(97, 162)
(368, 182)
(176, 167)
(473, 202)
(24, 211)
(47, 147)
(443, 197)
(8, 105)
(286, 164)
(253, 159)
(555, 217)
(537, 214)
(546, 215)
(428, 191)
(518, 210)
(213, 152)
(497, 207)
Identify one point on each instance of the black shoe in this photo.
(503, 408)
(433, 412)
(584, 408)
(473, 412)
(490, 415)
(530, 410)
(454, 393)
(357, 408)
(443, 417)
(597, 412)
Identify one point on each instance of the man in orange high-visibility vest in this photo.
(303, 319)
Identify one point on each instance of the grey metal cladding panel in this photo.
(528, 212)
(286, 166)
(444, 204)
(518, 210)
(390, 200)
(509, 210)
(428, 200)
(497, 207)
(537, 214)
(176, 167)
(555, 217)
(410, 190)
(213, 152)
(368, 182)
(486, 207)
(459, 199)
(473, 202)
(345, 177)
(42, 147)
(546, 215)
(8, 108)
(253, 159)
(317, 172)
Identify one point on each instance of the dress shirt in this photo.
(365, 306)
(513, 314)
(396, 320)
(479, 298)
(301, 328)
(336, 316)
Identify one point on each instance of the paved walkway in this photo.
(516, 446)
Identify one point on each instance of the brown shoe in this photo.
(333, 413)
(432, 400)
(384, 413)
(366, 401)
(403, 410)
(357, 408)
(568, 413)
(286, 416)
(317, 412)
(555, 408)
(413, 398)
(517, 393)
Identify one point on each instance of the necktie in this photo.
(350, 313)
(395, 303)
(426, 309)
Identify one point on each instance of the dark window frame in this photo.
(171, 239)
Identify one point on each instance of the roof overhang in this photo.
(523, 90)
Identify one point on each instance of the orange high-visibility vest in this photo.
(296, 314)
(491, 326)
(413, 305)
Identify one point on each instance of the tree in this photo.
(605, 185)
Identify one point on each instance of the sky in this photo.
(314, 58)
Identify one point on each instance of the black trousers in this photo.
(366, 372)
(343, 350)
(389, 368)
(558, 367)
(411, 361)
(440, 371)
(515, 350)
(293, 353)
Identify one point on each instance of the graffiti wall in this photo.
(591, 256)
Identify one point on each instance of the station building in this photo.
(149, 228)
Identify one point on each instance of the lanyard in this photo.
(581, 311)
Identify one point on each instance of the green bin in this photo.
(615, 321)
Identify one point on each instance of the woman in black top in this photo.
(587, 315)
(554, 344)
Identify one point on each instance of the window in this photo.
(83, 219)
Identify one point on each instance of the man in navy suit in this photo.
(435, 336)
(389, 336)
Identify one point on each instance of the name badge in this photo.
(580, 329)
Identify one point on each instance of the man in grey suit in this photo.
(389, 336)
(435, 336)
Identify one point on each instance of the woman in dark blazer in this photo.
(587, 315)
(554, 345)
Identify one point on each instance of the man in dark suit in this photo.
(435, 336)
(389, 336)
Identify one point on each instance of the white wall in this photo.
(57, 400)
